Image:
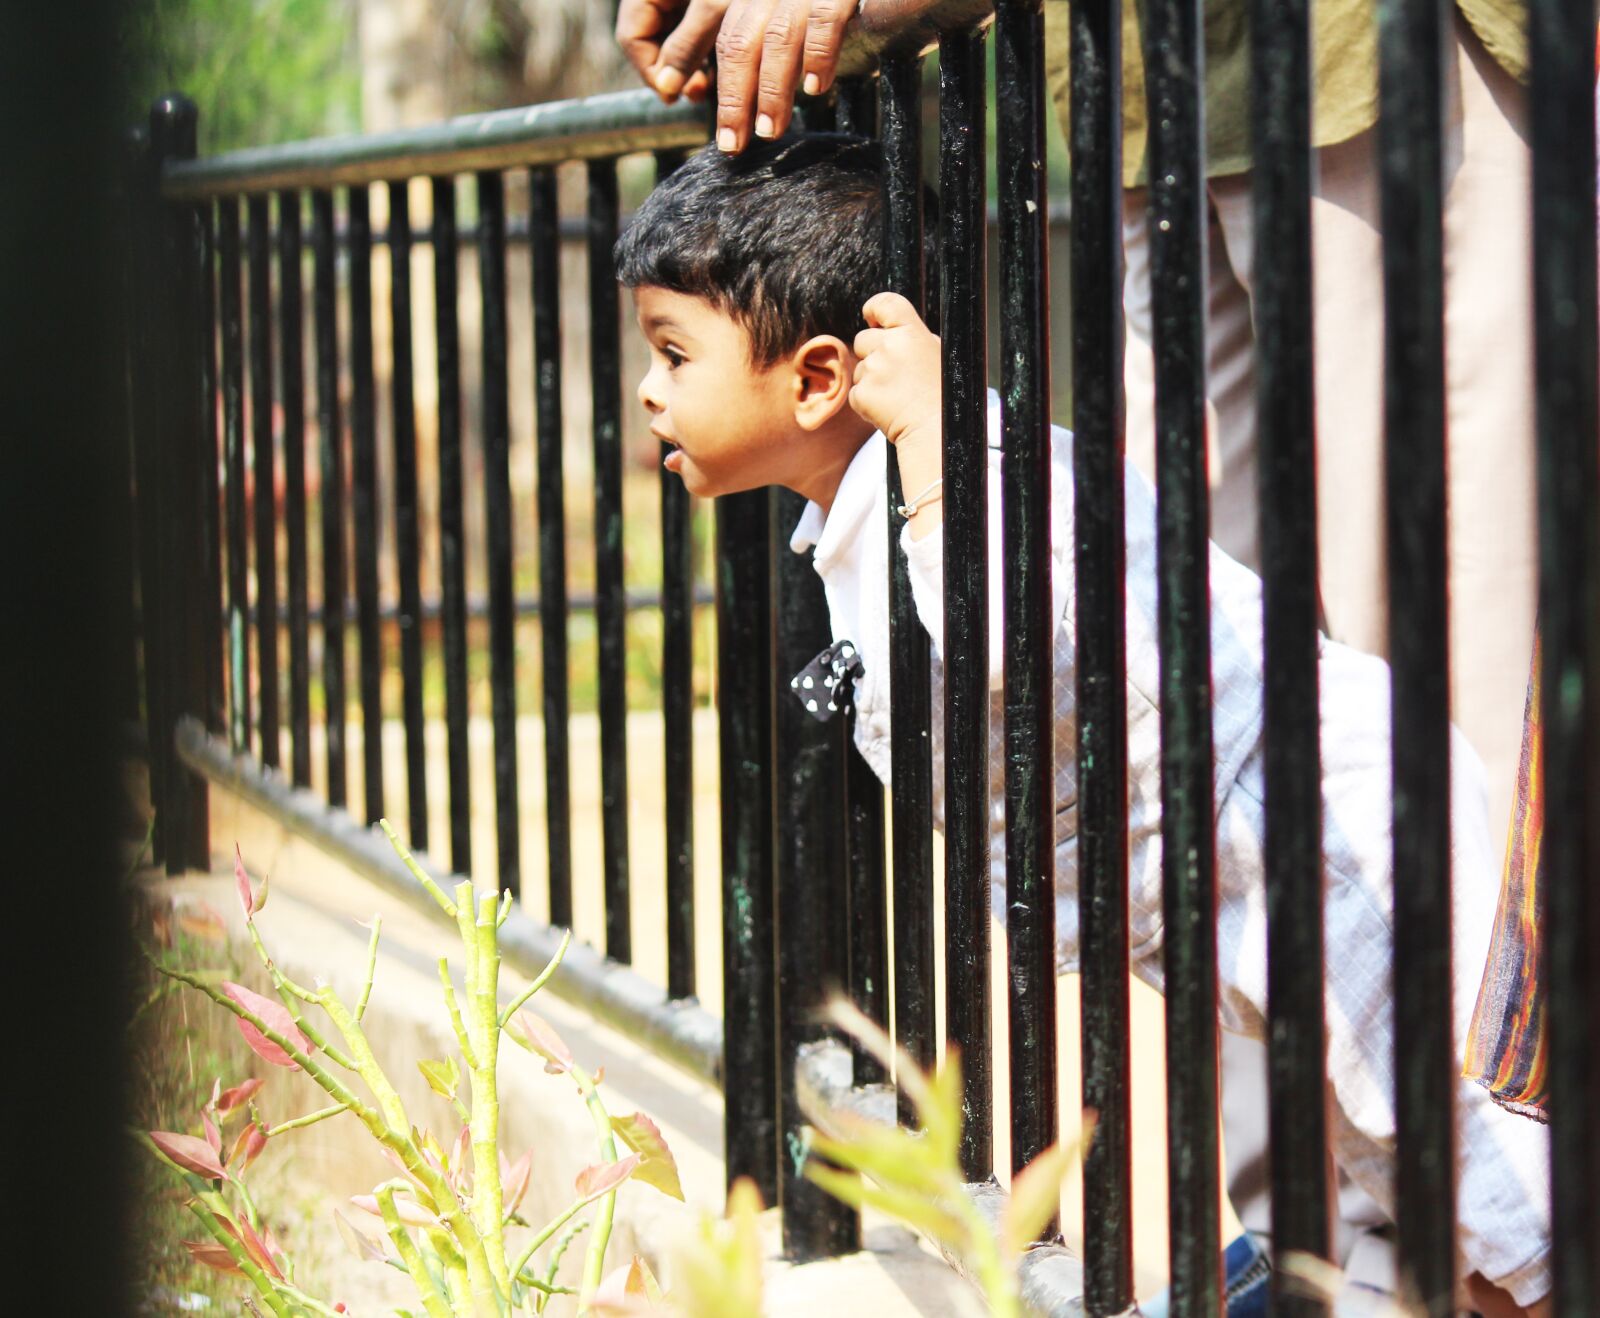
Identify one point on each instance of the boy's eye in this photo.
(674, 358)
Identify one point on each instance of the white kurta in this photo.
(1503, 1205)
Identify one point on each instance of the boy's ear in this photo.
(823, 370)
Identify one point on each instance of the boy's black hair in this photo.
(787, 238)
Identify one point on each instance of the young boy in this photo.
(775, 360)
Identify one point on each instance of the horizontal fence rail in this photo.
(1093, 760)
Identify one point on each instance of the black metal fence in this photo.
(806, 884)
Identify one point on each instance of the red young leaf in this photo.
(241, 881)
(258, 1249)
(605, 1176)
(516, 1180)
(339, 1308)
(538, 1036)
(658, 1167)
(212, 1255)
(191, 1154)
(213, 1135)
(276, 1017)
(240, 1094)
(247, 1148)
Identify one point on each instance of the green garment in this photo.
(1345, 69)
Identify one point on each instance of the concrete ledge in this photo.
(683, 1031)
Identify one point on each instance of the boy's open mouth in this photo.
(673, 458)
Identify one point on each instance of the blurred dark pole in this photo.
(61, 594)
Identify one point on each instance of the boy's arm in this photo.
(897, 389)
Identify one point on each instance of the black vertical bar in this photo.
(1100, 598)
(856, 110)
(677, 699)
(231, 311)
(144, 279)
(291, 336)
(1188, 843)
(330, 444)
(406, 543)
(497, 507)
(966, 587)
(744, 736)
(1029, 620)
(1296, 1033)
(810, 879)
(1568, 419)
(265, 471)
(866, 906)
(173, 305)
(610, 615)
(1411, 36)
(364, 497)
(911, 763)
(452, 535)
(216, 714)
(544, 226)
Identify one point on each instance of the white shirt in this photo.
(1503, 1198)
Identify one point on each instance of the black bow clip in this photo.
(826, 686)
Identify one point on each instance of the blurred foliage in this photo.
(260, 70)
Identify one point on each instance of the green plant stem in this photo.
(288, 990)
(538, 982)
(462, 1041)
(265, 1286)
(549, 1229)
(556, 1255)
(488, 1196)
(594, 1260)
(398, 1139)
(372, 967)
(432, 1300)
(417, 872)
(310, 1119)
(200, 1193)
(486, 1295)
(505, 908)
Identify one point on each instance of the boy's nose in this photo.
(649, 391)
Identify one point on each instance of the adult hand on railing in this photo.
(767, 50)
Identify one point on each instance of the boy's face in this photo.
(727, 419)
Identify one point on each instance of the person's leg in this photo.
(1230, 381)
(1489, 403)
(1489, 346)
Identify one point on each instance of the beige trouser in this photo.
(1488, 333)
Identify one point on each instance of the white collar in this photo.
(859, 497)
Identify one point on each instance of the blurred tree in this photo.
(260, 70)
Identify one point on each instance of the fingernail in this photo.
(763, 125)
(669, 82)
(725, 140)
(812, 84)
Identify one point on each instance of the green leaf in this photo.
(1035, 1199)
(657, 1166)
(914, 1210)
(442, 1077)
